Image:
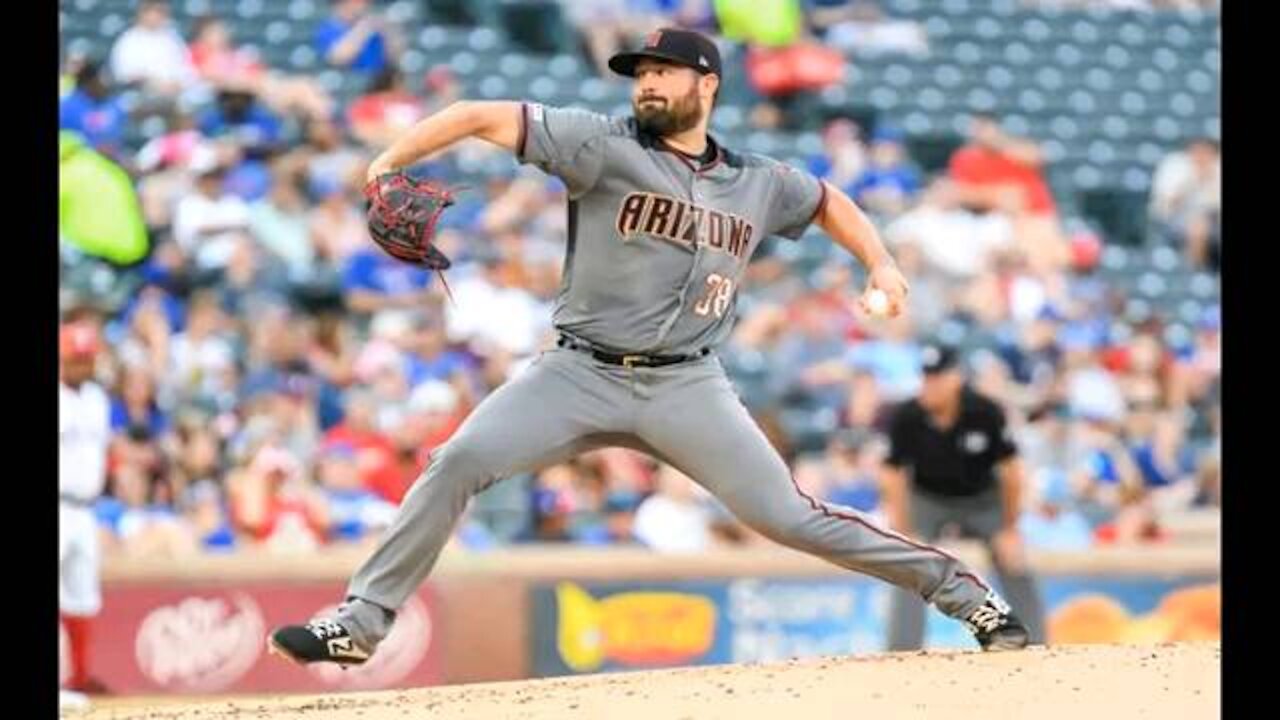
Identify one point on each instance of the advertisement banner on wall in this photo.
(194, 640)
(598, 627)
(618, 626)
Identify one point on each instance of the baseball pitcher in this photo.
(662, 222)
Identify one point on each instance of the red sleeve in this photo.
(365, 110)
(964, 166)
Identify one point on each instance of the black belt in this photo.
(629, 360)
(73, 500)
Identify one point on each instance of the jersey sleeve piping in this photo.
(524, 131)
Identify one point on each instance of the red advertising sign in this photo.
(210, 639)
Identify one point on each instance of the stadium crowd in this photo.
(276, 380)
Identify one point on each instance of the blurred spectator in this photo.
(954, 243)
(72, 63)
(676, 518)
(1034, 356)
(1167, 465)
(386, 110)
(889, 182)
(861, 27)
(552, 505)
(847, 473)
(272, 502)
(491, 312)
(373, 280)
(228, 68)
(238, 117)
(140, 515)
(373, 453)
(330, 354)
(844, 157)
(340, 231)
(165, 162)
(152, 54)
(354, 512)
(891, 357)
(94, 112)
(1052, 523)
(356, 37)
(997, 172)
(1103, 475)
(1186, 201)
(134, 409)
(609, 26)
(330, 163)
(1135, 522)
(201, 359)
(279, 223)
(1091, 390)
(430, 357)
(173, 149)
(209, 222)
(205, 512)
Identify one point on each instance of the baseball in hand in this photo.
(877, 302)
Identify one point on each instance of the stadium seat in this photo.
(538, 25)
(1137, 311)
(1121, 214)
(462, 12)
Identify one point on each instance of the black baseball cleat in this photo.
(320, 640)
(995, 626)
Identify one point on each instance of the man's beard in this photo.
(675, 116)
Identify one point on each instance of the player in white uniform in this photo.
(83, 434)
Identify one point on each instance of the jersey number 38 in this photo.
(715, 299)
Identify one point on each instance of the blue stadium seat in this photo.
(1151, 80)
(967, 53)
(542, 89)
(1204, 285)
(885, 98)
(1085, 32)
(1000, 78)
(305, 11)
(1019, 53)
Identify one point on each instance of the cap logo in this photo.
(703, 61)
(653, 38)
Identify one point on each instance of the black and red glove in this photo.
(402, 214)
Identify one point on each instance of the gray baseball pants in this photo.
(977, 517)
(688, 415)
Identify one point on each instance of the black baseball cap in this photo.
(937, 357)
(682, 47)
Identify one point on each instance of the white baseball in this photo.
(878, 302)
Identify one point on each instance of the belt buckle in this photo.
(629, 361)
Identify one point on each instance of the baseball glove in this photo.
(402, 214)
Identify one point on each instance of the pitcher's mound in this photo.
(1077, 682)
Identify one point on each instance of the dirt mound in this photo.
(1079, 682)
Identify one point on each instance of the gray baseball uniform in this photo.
(657, 247)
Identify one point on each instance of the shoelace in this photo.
(326, 629)
(986, 618)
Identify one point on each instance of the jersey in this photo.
(657, 246)
(83, 434)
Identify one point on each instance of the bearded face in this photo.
(665, 101)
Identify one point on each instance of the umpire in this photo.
(953, 465)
